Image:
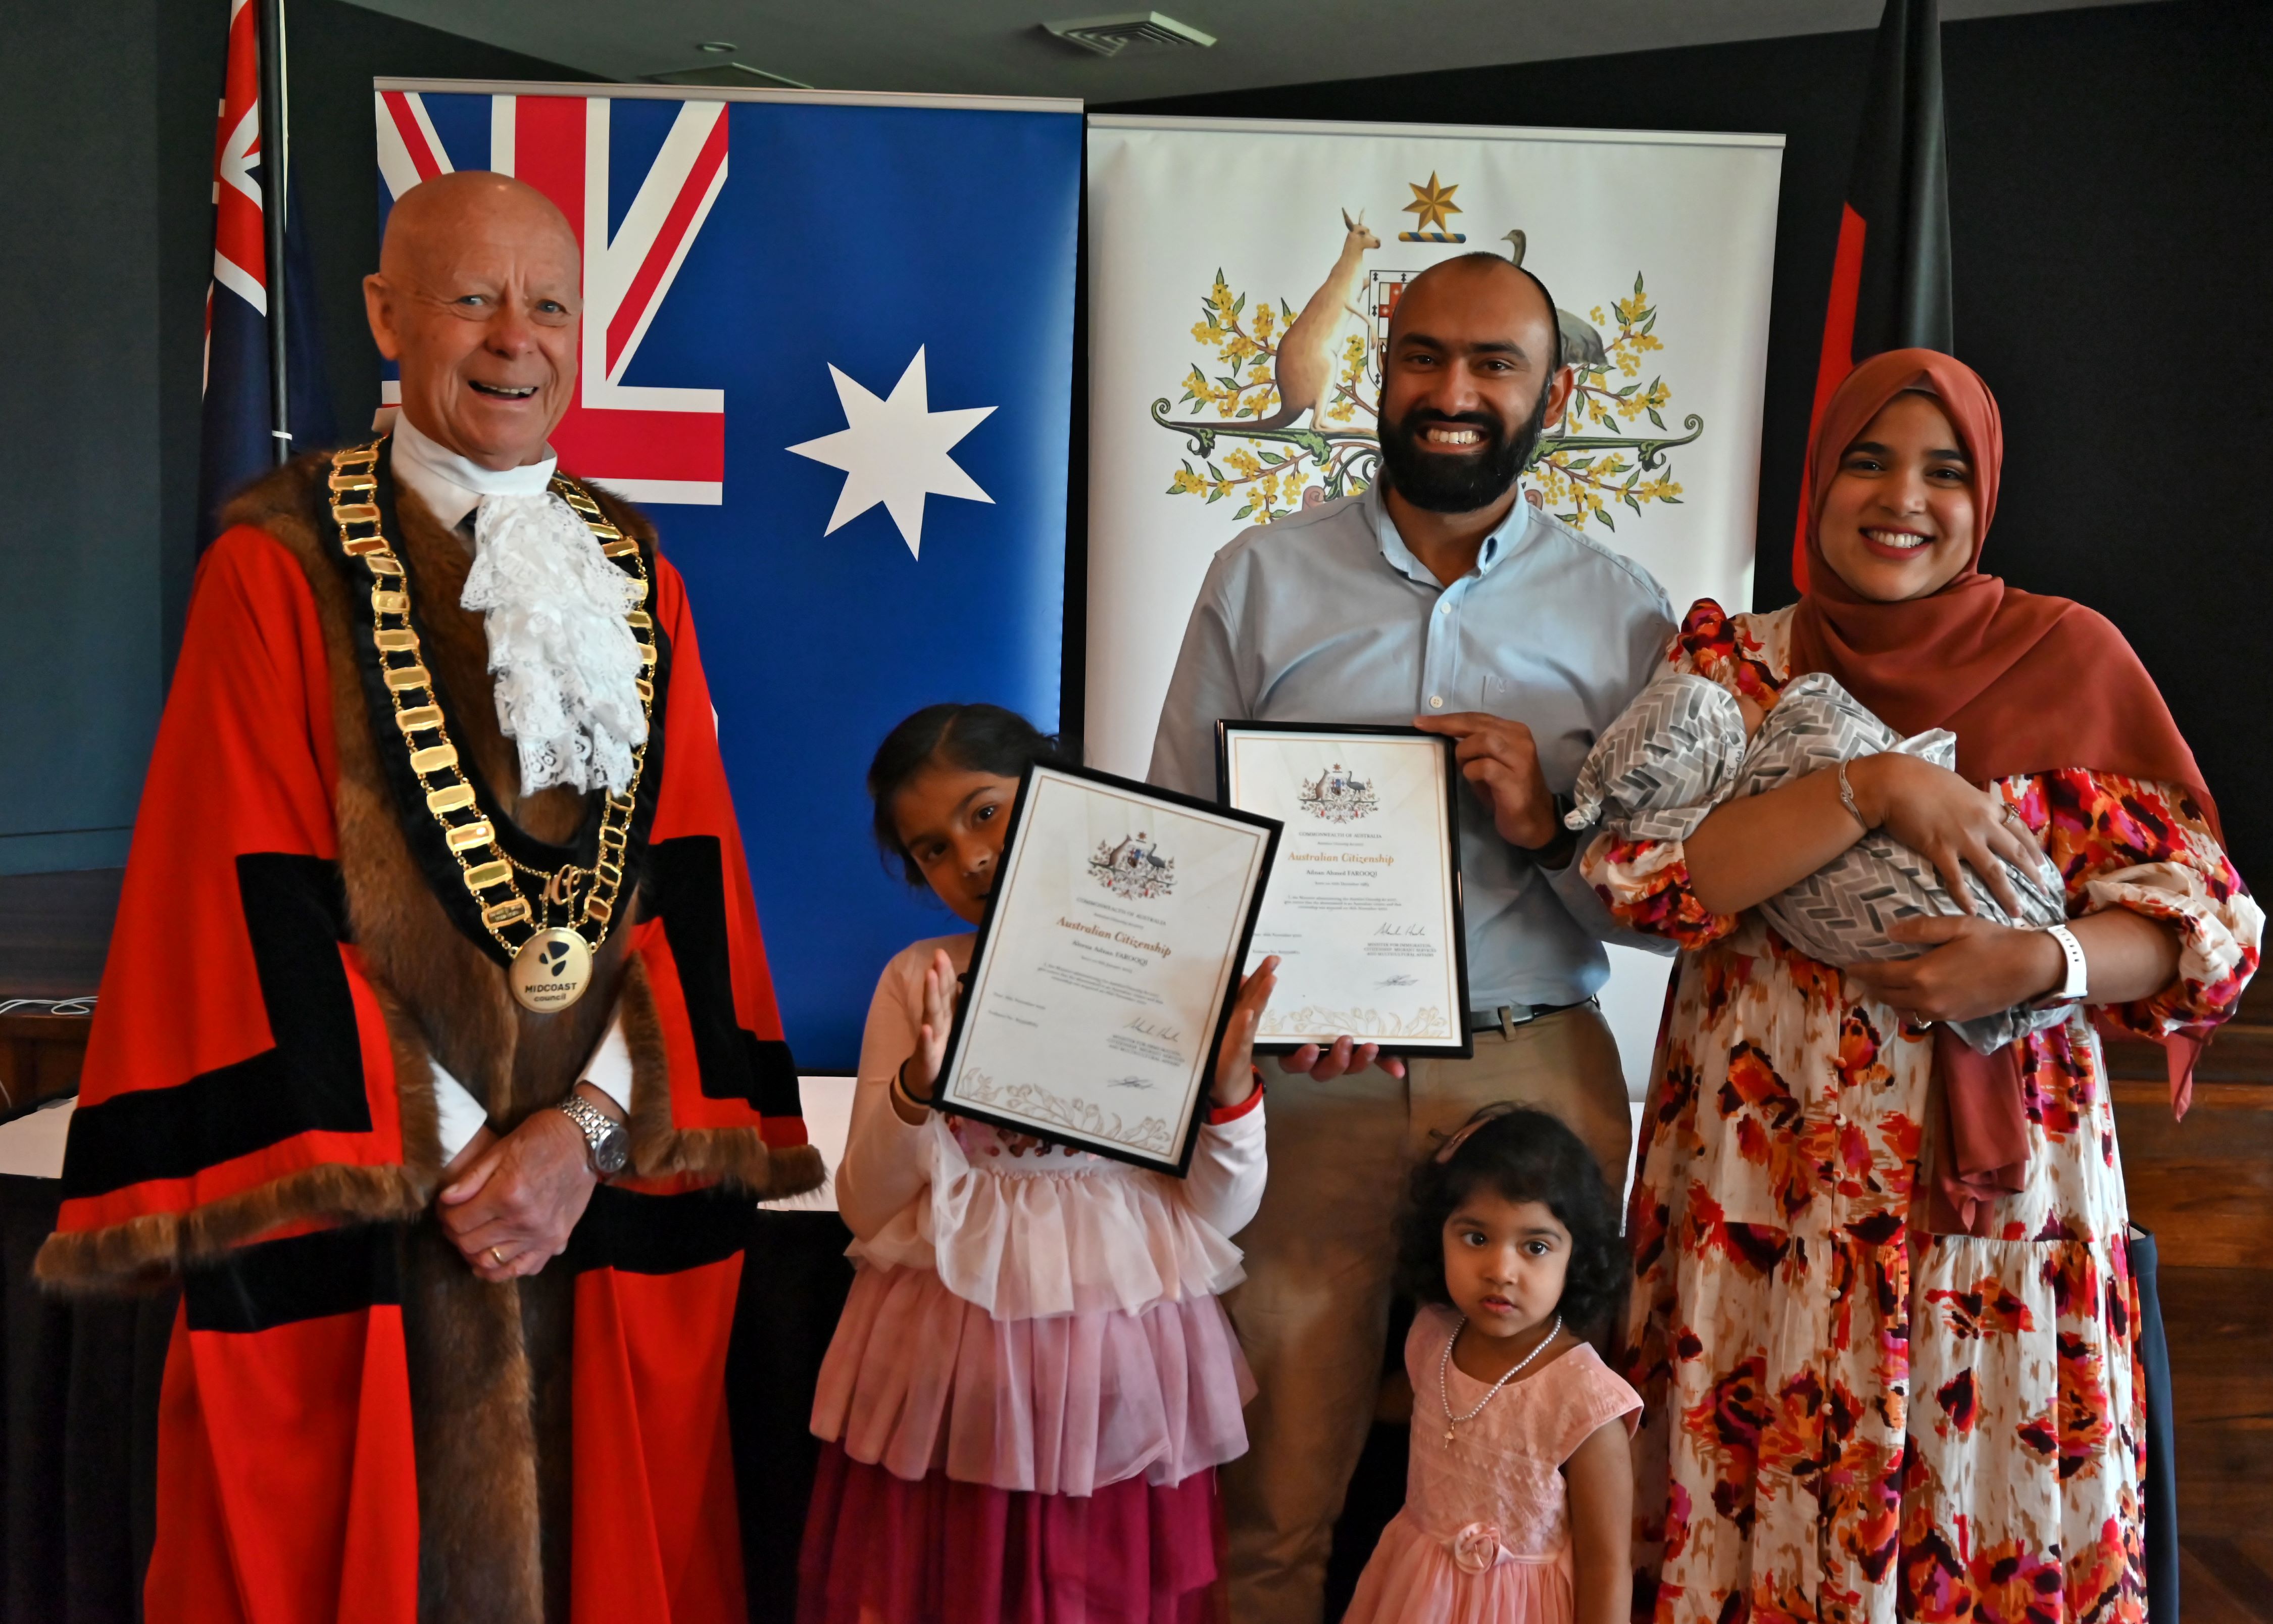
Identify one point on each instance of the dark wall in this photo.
(2109, 172)
(106, 148)
(99, 364)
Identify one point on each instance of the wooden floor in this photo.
(2205, 1188)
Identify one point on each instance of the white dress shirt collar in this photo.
(450, 486)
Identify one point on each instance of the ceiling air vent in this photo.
(1109, 36)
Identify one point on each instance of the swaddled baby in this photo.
(1682, 748)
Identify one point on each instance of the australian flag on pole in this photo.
(237, 438)
(827, 343)
(1890, 283)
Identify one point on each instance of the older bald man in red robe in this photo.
(436, 1051)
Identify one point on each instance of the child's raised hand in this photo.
(1234, 1059)
(922, 1072)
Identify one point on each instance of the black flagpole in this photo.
(272, 143)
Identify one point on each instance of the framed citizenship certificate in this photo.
(1106, 965)
(1363, 907)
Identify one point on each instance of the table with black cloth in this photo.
(79, 1416)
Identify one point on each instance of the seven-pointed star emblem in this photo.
(1432, 202)
(894, 451)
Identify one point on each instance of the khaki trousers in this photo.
(1314, 1308)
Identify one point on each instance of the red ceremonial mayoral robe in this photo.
(352, 1426)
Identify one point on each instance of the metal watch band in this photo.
(600, 1131)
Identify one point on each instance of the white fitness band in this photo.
(2079, 979)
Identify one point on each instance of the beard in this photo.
(1460, 482)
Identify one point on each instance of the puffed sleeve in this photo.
(1645, 883)
(2124, 843)
(884, 1168)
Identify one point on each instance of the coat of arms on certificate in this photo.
(1338, 796)
(1133, 867)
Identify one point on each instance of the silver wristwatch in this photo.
(611, 1147)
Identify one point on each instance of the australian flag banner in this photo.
(237, 437)
(827, 342)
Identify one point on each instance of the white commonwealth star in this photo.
(895, 452)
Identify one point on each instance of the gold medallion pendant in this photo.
(551, 970)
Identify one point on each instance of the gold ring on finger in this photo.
(498, 1257)
(2011, 814)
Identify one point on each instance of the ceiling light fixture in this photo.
(1109, 36)
(718, 47)
(733, 75)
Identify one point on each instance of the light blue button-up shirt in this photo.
(1328, 617)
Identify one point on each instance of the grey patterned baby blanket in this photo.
(1680, 750)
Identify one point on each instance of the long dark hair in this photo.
(973, 738)
(1519, 1153)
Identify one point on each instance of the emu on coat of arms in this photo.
(1279, 366)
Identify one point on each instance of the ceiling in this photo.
(999, 47)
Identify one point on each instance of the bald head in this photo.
(1472, 276)
(477, 299)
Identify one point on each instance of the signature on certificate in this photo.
(1159, 1031)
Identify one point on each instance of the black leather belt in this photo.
(1505, 1018)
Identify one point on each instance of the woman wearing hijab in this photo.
(1882, 1320)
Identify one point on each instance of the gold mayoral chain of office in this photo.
(552, 962)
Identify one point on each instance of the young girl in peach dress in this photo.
(1519, 1490)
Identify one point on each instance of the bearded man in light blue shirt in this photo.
(1439, 598)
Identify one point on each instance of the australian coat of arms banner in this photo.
(827, 342)
(1242, 275)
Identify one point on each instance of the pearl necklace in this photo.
(1444, 1383)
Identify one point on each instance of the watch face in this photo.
(612, 1152)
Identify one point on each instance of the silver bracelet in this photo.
(1847, 798)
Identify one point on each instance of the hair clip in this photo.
(1450, 1146)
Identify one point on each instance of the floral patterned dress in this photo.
(1848, 1416)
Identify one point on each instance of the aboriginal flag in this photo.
(1890, 284)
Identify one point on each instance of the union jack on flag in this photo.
(654, 443)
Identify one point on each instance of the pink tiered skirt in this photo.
(881, 1549)
(1416, 1577)
(919, 1380)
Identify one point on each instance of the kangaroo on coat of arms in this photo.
(1302, 361)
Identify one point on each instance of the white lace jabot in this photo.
(566, 665)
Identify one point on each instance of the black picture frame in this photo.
(1179, 1164)
(1466, 1049)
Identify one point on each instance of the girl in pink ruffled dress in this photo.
(1033, 1384)
(1519, 1490)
